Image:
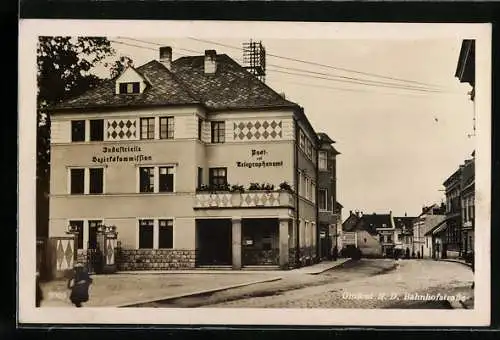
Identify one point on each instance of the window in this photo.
(218, 132)
(200, 127)
(165, 234)
(96, 180)
(308, 189)
(97, 130)
(166, 128)
(381, 238)
(126, 88)
(398, 237)
(93, 225)
(166, 181)
(313, 192)
(146, 179)
(146, 228)
(77, 181)
(308, 148)
(147, 128)
(302, 140)
(79, 228)
(364, 239)
(200, 177)
(77, 130)
(322, 159)
(218, 176)
(389, 238)
(323, 199)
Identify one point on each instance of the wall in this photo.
(370, 247)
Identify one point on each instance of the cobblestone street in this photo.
(356, 284)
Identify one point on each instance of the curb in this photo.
(456, 261)
(195, 293)
(329, 268)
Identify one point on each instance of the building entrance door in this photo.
(214, 242)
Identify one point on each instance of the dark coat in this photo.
(79, 285)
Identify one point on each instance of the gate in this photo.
(94, 259)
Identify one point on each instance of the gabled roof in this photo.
(164, 89)
(404, 222)
(324, 138)
(367, 222)
(374, 221)
(231, 87)
(438, 228)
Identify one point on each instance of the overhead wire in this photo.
(322, 65)
(305, 73)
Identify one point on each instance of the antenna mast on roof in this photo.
(254, 59)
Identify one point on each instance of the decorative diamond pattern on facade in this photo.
(64, 254)
(262, 130)
(122, 129)
(110, 252)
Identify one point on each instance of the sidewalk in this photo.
(138, 287)
(117, 290)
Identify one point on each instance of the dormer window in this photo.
(130, 88)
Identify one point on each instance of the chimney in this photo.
(166, 56)
(210, 61)
(350, 212)
(406, 215)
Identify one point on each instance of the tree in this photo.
(64, 65)
(119, 66)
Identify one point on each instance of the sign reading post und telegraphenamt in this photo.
(258, 162)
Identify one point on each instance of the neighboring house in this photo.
(468, 206)
(404, 237)
(451, 234)
(156, 151)
(327, 195)
(433, 245)
(466, 68)
(427, 220)
(374, 234)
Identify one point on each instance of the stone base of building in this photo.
(156, 259)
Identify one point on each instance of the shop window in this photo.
(77, 181)
(218, 177)
(79, 228)
(165, 234)
(78, 130)
(146, 179)
(97, 130)
(148, 128)
(146, 228)
(129, 88)
(96, 177)
(93, 226)
(218, 132)
(322, 160)
(166, 127)
(323, 199)
(166, 180)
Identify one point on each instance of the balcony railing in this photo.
(251, 199)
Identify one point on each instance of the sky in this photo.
(397, 146)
